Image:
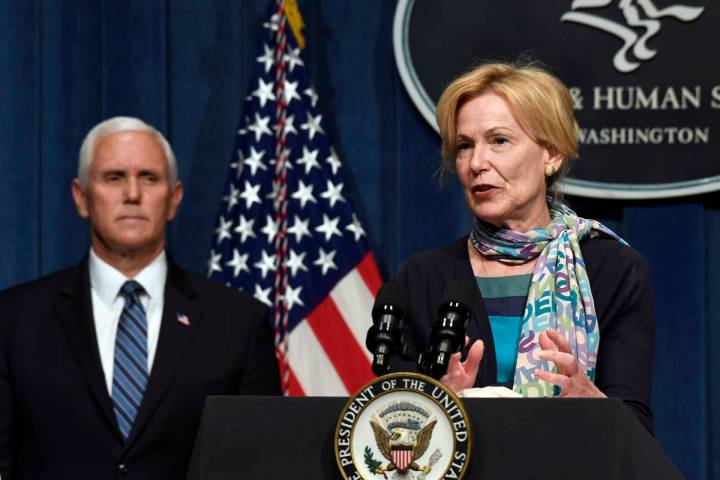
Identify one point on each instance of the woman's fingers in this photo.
(565, 362)
(546, 342)
(558, 340)
(461, 375)
(570, 377)
(554, 378)
(475, 355)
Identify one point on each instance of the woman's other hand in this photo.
(461, 375)
(570, 376)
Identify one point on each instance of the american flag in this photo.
(287, 232)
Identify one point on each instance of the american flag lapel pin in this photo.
(182, 318)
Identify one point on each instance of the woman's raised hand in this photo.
(461, 375)
(570, 375)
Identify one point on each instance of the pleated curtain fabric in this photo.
(130, 371)
(185, 67)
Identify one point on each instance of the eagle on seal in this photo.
(400, 448)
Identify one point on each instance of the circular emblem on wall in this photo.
(403, 426)
(647, 103)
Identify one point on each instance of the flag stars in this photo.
(273, 24)
(296, 262)
(223, 230)
(214, 262)
(264, 92)
(334, 161)
(299, 228)
(304, 193)
(245, 228)
(275, 190)
(267, 58)
(288, 127)
(356, 228)
(292, 57)
(237, 165)
(292, 297)
(309, 159)
(232, 198)
(263, 294)
(254, 161)
(270, 229)
(326, 261)
(310, 92)
(245, 255)
(290, 92)
(250, 194)
(329, 227)
(242, 131)
(333, 193)
(238, 263)
(312, 125)
(260, 127)
(265, 264)
(286, 157)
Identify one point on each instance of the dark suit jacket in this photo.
(620, 283)
(56, 417)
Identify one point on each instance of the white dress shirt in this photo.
(107, 304)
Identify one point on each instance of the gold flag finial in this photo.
(295, 20)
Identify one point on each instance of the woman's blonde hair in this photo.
(540, 102)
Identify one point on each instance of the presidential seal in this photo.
(403, 426)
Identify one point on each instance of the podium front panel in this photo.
(274, 437)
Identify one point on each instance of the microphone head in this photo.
(393, 295)
(448, 332)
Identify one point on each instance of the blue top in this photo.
(505, 299)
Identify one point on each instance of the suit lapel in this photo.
(175, 337)
(74, 309)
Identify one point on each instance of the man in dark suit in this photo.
(104, 367)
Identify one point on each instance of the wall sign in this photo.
(642, 73)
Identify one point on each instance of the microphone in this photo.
(384, 337)
(448, 332)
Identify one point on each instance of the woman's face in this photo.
(500, 167)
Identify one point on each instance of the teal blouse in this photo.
(505, 299)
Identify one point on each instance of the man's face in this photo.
(128, 197)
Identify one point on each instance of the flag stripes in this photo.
(332, 338)
(311, 365)
(339, 344)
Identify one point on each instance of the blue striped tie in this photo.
(130, 371)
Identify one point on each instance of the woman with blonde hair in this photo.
(563, 307)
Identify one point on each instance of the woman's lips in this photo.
(483, 191)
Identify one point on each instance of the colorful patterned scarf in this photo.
(559, 297)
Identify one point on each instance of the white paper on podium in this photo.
(489, 392)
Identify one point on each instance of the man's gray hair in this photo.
(115, 125)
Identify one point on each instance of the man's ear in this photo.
(176, 197)
(80, 199)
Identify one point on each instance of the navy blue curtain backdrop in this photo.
(184, 66)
